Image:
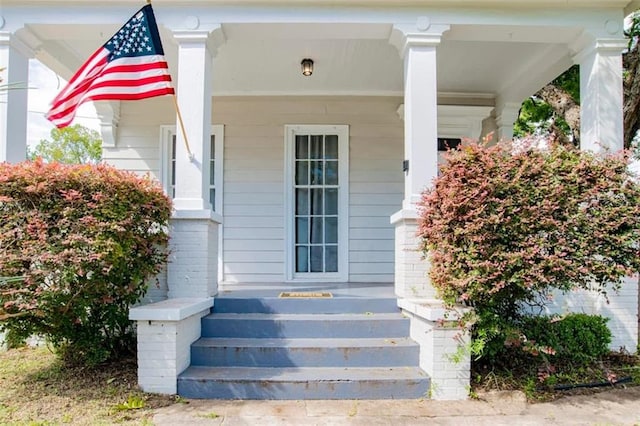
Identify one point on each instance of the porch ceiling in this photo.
(349, 59)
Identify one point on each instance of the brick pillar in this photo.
(411, 269)
(165, 332)
(192, 270)
(444, 353)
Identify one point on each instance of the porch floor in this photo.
(352, 290)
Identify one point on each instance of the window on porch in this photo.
(168, 164)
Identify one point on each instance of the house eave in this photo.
(511, 4)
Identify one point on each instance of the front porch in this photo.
(256, 344)
(256, 202)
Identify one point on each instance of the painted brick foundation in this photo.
(166, 331)
(621, 309)
(411, 280)
(440, 339)
(192, 270)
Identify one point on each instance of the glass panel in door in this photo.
(316, 187)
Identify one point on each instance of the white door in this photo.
(317, 210)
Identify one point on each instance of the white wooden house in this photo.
(300, 180)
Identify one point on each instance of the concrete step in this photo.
(305, 325)
(276, 305)
(303, 383)
(305, 352)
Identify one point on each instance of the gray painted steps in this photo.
(304, 352)
(303, 383)
(277, 305)
(265, 347)
(305, 325)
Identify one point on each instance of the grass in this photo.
(35, 389)
(212, 415)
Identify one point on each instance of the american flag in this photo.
(129, 66)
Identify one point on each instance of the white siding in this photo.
(138, 139)
(254, 241)
(254, 235)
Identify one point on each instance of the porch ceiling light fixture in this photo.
(307, 67)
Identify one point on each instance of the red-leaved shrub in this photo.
(86, 239)
(505, 225)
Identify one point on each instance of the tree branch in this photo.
(631, 83)
(564, 106)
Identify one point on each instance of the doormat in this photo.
(305, 295)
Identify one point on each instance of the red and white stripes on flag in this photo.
(130, 66)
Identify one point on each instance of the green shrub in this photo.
(575, 338)
(504, 226)
(86, 239)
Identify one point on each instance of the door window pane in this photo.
(316, 230)
(302, 230)
(316, 147)
(302, 147)
(302, 259)
(302, 172)
(331, 204)
(331, 258)
(331, 147)
(302, 201)
(331, 230)
(316, 259)
(316, 173)
(331, 173)
(316, 202)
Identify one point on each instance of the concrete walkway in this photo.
(615, 407)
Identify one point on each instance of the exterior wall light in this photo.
(307, 67)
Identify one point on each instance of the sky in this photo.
(44, 85)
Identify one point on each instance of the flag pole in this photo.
(184, 133)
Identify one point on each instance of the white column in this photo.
(417, 45)
(418, 50)
(420, 118)
(506, 116)
(601, 111)
(416, 296)
(14, 56)
(192, 270)
(194, 91)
